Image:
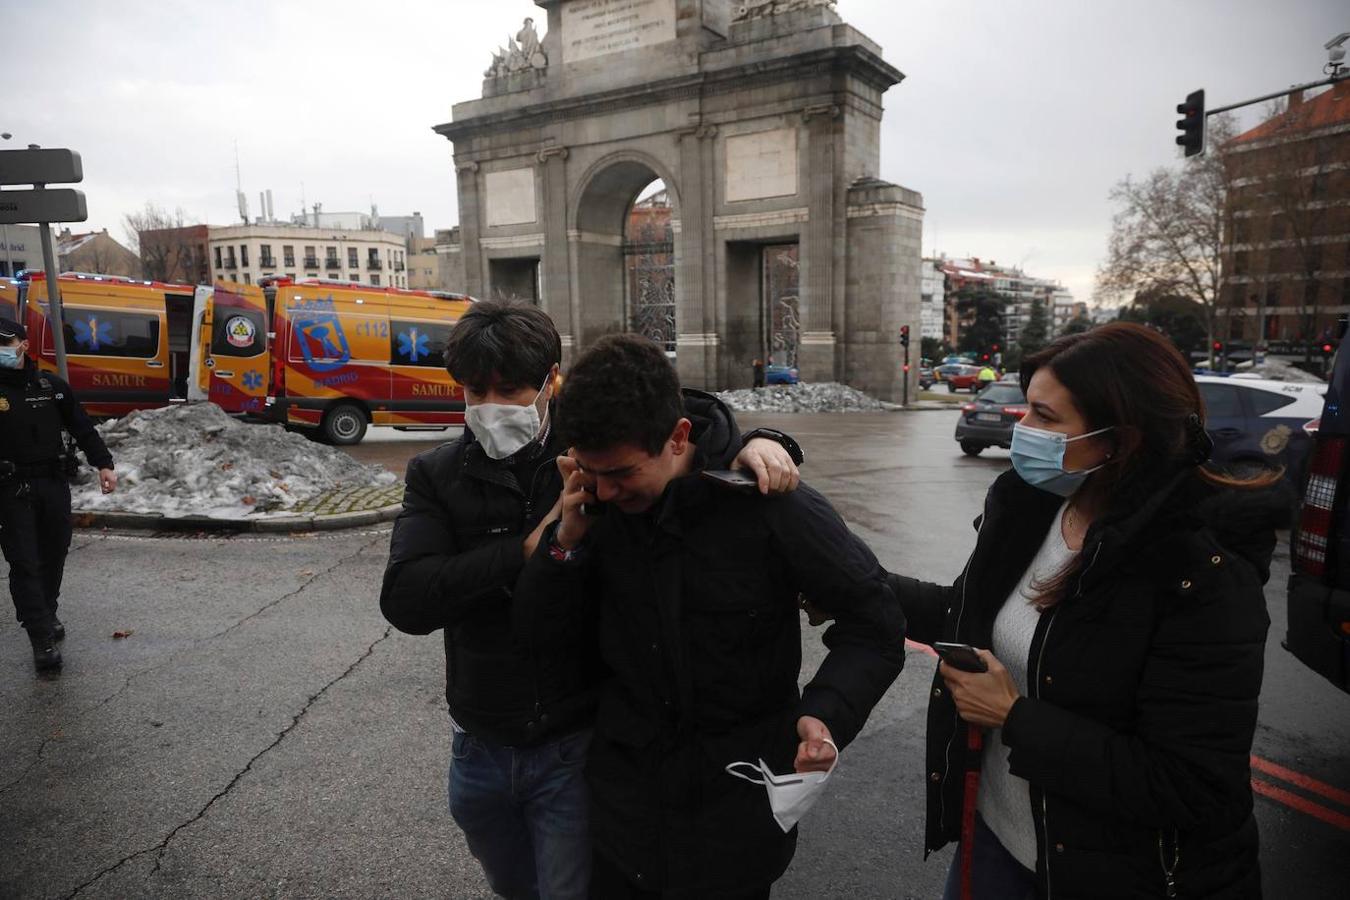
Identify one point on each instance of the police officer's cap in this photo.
(9, 330)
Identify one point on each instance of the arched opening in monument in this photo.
(625, 250)
(649, 266)
(763, 307)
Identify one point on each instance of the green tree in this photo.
(984, 311)
(932, 348)
(1034, 334)
(1181, 319)
(1077, 325)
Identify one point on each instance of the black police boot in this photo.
(45, 655)
(58, 630)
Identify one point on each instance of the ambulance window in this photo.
(101, 332)
(418, 343)
(236, 332)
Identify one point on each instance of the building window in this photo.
(247, 278)
(243, 254)
(375, 279)
(218, 263)
(331, 258)
(265, 258)
(1240, 262)
(311, 258)
(288, 256)
(351, 258)
(1242, 230)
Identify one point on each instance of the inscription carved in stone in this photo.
(592, 28)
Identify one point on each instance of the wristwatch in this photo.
(793, 449)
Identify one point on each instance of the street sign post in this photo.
(38, 166)
(41, 206)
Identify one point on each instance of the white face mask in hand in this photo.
(790, 796)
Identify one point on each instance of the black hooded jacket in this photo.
(699, 624)
(1136, 724)
(455, 557)
(35, 407)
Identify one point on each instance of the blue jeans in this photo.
(994, 875)
(525, 813)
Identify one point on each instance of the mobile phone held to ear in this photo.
(732, 479)
(961, 656)
(594, 508)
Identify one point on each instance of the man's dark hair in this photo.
(623, 390)
(512, 343)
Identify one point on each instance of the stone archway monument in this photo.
(763, 120)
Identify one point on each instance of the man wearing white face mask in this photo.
(474, 510)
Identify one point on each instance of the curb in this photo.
(82, 518)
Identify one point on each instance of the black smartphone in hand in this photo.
(733, 479)
(961, 656)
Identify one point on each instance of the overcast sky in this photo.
(1014, 120)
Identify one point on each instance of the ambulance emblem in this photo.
(240, 332)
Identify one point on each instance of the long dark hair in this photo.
(1133, 380)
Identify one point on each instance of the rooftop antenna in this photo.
(239, 187)
(302, 199)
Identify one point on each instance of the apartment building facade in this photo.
(1286, 247)
(246, 253)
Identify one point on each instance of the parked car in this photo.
(781, 375)
(988, 419)
(927, 377)
(1258, 424)
(961, 378)
(1319, 587)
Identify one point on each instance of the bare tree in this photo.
(159, 238)
(1168, 233)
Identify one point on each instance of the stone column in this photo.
(816, 355)
(470, 227)
(695, 314)
(556, 276)
(884, 240)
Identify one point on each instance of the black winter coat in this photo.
(1137, 727)
(699, 624)
(35, 407)
(454, 557)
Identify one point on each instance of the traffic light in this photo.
(904, 335)
(984, 358)
(1192, 126)
(995, 348)
(1218, 348)
(906, 368)
(1327, 348)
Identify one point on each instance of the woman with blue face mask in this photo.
(1114, 597)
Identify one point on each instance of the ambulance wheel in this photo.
(344, 424)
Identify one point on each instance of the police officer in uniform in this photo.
(34, 496)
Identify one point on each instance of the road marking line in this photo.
(1303, 805)
(1298, 779)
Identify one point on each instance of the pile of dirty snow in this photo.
(826, 396)
(1278, 370)
(194, 460)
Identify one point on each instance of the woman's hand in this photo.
(982, 698)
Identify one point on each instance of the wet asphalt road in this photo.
(262, 733)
